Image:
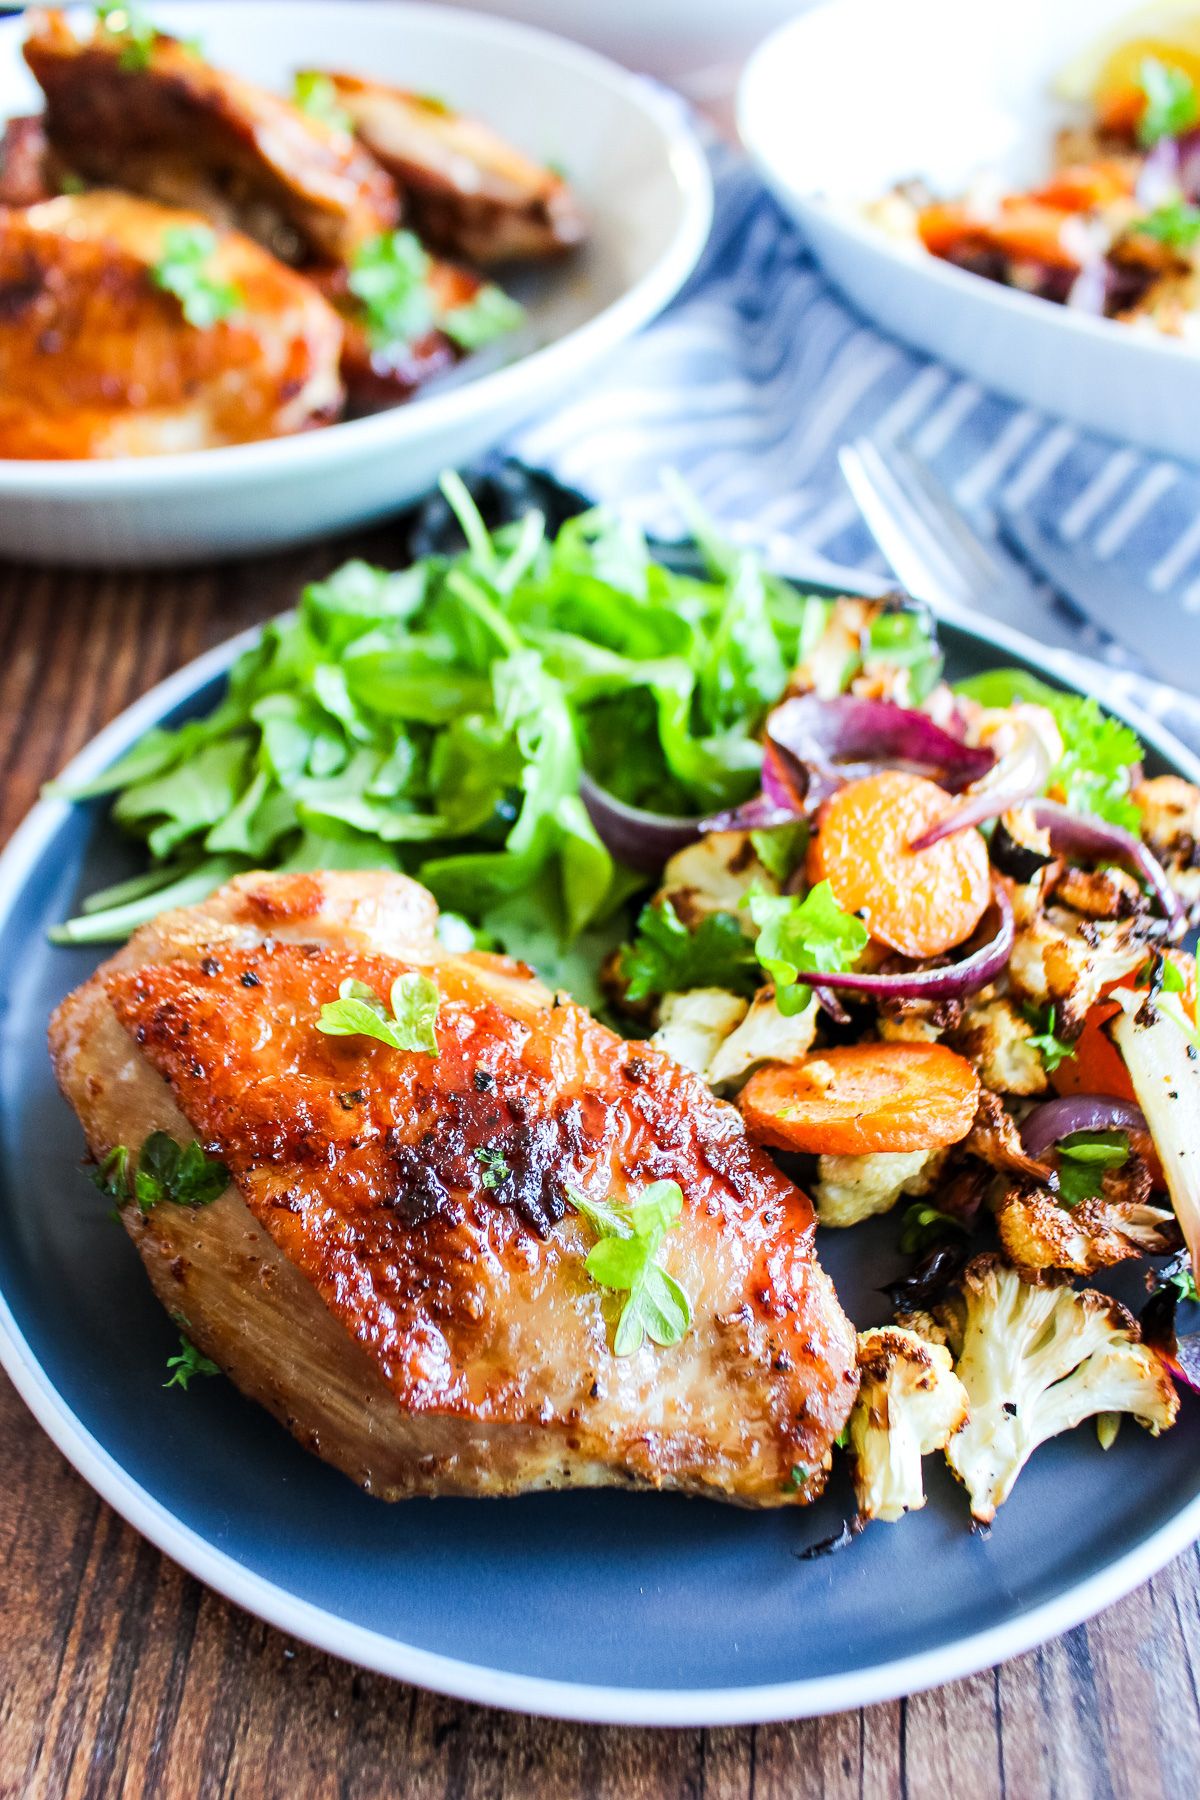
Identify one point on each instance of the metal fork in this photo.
(934, 550)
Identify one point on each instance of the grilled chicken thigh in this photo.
(29, 170)
(97, 359)
(384, 374)
(161, 122)
(466, 191)
(422, 1329)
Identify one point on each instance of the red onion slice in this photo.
(1020, 774)
(1048, 1124)
(824, 743)
(639, 839)
(1096, 838)
(974, 971)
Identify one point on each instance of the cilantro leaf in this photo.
(1083, 1158)
(625, 1260)
(188, 1362)
(389, 274)
(183, 269)
(1052, 1050)
(1172, 104)
(800, 937)
(490, 314)
(1099, 756)
(495, 1169)
(666, 958)
(315, 94)
(1176, 223)
(407, 1024)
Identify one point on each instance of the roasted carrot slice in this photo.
(1021, 228)
(862, 1098)
(920, 902)
(1082, 187)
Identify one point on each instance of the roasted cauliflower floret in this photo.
(1036, 1361)
(1170, 809)
(1063, 960)
(1041, 1235)
(693, 1026)
(714, 875)
(852, 1188)
(996, 1038)
(910, 1403)
(764, 1035)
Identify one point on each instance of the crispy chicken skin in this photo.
(421, 1331)
(98, 361)
(179, 131)
(29, 170)
(467, 192)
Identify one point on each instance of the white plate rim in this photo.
(392, 428)
(584, 1702)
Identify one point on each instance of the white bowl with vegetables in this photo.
(516, 334)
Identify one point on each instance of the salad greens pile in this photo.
(437, 720)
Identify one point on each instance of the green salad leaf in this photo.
(626, 1260)
(1175, 223)
(436, 721)
(804, 937)
(1100, 754)
(1083, 1158)
(1172, 103)
(1052, 1049)
(666, 958)
(407, 1021)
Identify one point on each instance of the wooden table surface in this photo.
(120, 1675)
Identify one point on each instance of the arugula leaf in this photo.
(180, 1174)
(315, 94)
(1083, 1158)
(1100, 754)
(495, 1169)
(409, 1023)
(1052, 1050)
(184, 268)
(625, 1260)
(800, 937)
(489, 315)
(1172, 104)
(1176, 223)
(666, 958)
(188, 1362)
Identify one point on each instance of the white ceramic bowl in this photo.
(858, 94)
(641, 176)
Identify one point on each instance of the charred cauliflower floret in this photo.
(910, 1403)
(1041, 1236)
(1036, 1361)
(714, 875)
(996, 1038)
(1170, 809)
(764, 1035)
(693, 1026)
(852, 1188)
(1063, 960)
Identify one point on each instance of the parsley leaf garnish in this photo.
(1176, 223)
(1094, 773)
(625, 1260)
(923, 1225)
(112, 1175)
(407, 1024)
(187, 1363)
(803, 937)
(183, 270)
(1172, 104)
(495, 1169)
(1083, 1158)
(183, 1175)
(666, 958)
(315, 94)
(1053, 1050)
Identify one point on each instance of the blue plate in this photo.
(602, 1606)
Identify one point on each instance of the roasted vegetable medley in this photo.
(930, 939)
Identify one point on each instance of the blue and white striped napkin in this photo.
(759, 371)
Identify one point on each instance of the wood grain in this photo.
(119, 1675)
